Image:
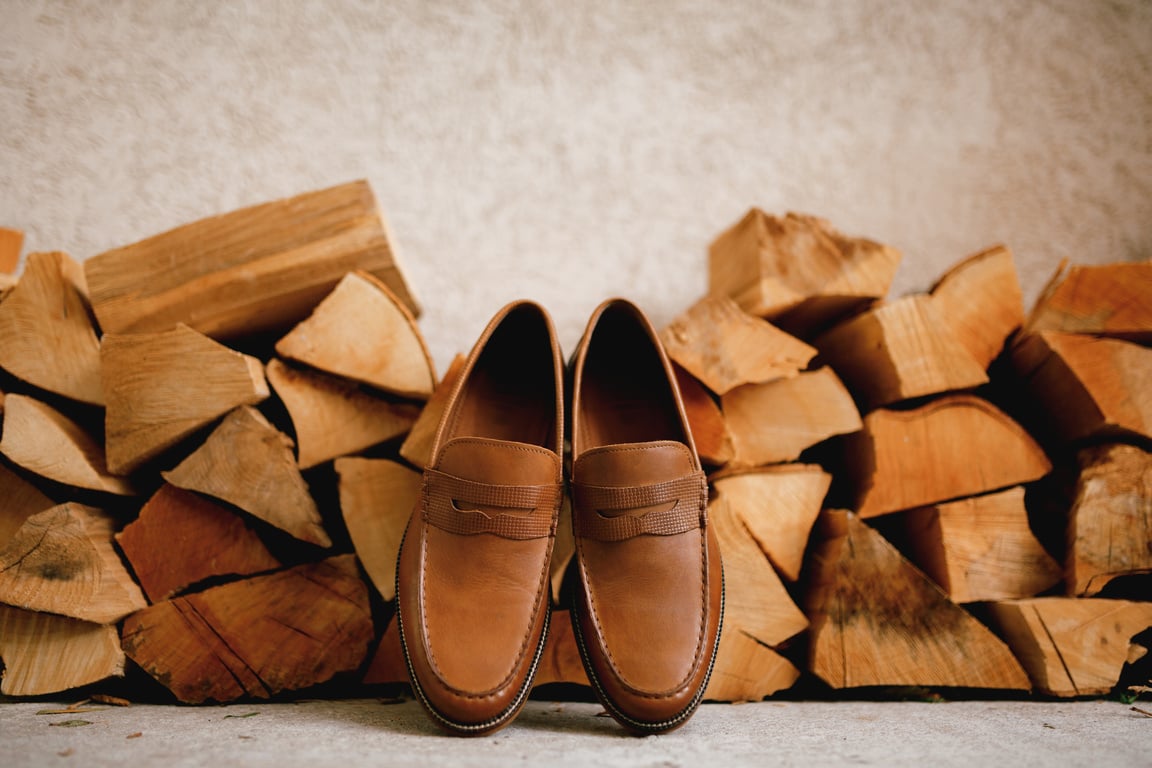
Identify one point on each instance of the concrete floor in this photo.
(360, 732)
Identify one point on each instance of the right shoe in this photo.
(649, 597)
(472, 584)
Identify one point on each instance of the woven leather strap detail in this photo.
(689, 494)
(443, 492)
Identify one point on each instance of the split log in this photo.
(777, 421)
(980, 548)
(1088, 386)
(62, 561)
(387, 665)
(44, 653)
(705, 420)
(46, 336)
(956, 446)
(1107, 299)
(181, 538)
(1110, 522)
(332, 416)
(377, 497)
(723, 346)
(778, 505)
(756, 601)
(899, 351)
(878, 621)
(798, 270)
(747, 670)
(362, 331)
(21, 500)
(249, 463)
(980, 301)
(254, 270)
(44, 441)
(163, 387)
(417, 447)
(11, 244)
(255, 638)
(560, 660)
(1071, 646)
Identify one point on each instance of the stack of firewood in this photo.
(212, 439)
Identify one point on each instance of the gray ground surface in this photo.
(369, 731)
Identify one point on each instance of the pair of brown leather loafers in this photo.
(473, 597)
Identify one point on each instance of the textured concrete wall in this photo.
(570, 151)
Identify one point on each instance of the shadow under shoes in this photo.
(648, 602)
(472, 575)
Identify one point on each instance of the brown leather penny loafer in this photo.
(472, 576)
(649, 600)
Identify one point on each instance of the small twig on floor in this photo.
(1144, 712)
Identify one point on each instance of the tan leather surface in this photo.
(472, 578)
(647, 606)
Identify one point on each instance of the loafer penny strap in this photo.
(687, 494)
(450, 503)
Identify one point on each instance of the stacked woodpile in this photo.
(212, 439)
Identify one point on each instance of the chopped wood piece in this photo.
(1105, 299)
(417, 447)
(11, 244)
(377, 497)
(798, 264)
(747, 670)
(956, 446)
(877, 620)
(249, 463)
(1071, 646)
(21, 500)
(560, 660)
(1088, 386)
(980, 301)
(62, 561)
(705, 419)
(279, 632)
(778, 505)
(46, 337)
(254, 270)
(163, 387)
(777, 421)
(1110, 523)
(361, 331)
(980, 548)
(44, 653)
(333, 416)
(387, 665)
(755, 601)
(723, 346)
(44, 441)
(899, 351)
(181, 538)
(7, 283)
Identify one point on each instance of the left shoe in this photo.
(649, 598)
(472, 587)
